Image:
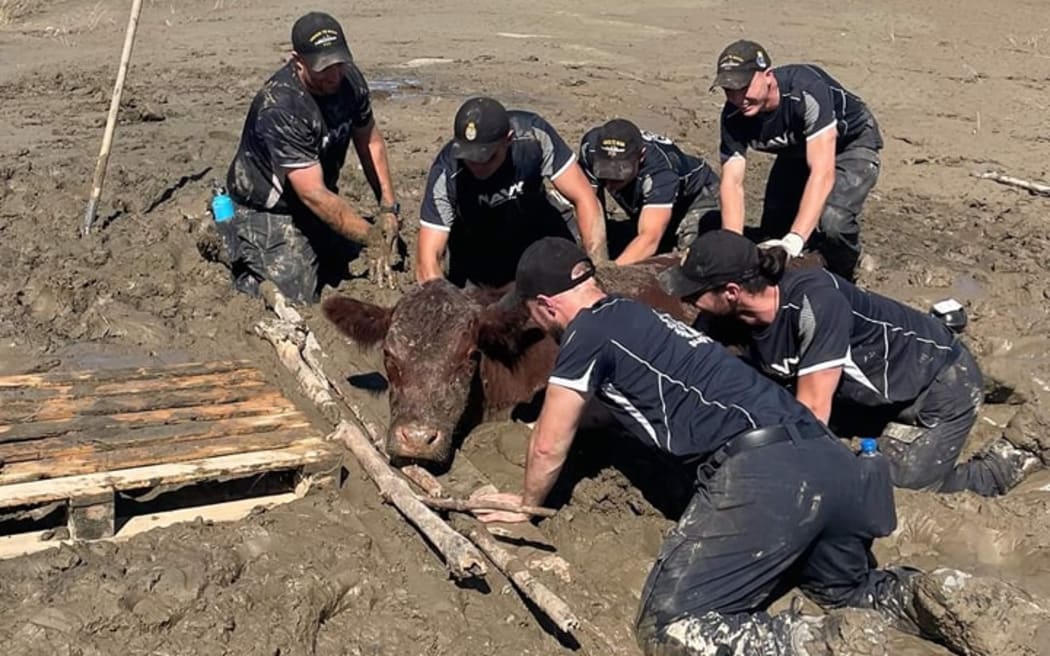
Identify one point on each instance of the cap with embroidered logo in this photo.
(738, 63)
(618, 148)
(319, 40)
(481, 125)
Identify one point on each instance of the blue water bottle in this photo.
(877, 501)
(222, 209)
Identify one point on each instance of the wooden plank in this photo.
(187, 448)
(270, 403)
(21, 544)
(76, 446)
(136, 373)
(66, 407)
(306, 452)
(103, 388)
(94, 517)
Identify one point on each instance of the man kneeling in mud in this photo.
(779, 501)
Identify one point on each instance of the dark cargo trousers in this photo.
(837, 236)
(703, 214)
(299, 254)
(760, 523)
(924, 445)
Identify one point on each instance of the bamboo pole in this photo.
(111, 120)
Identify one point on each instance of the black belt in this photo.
(760, 437)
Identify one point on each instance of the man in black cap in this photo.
(485, 199)
(827, 146)
(668, 196)
(779, 500)
(293, 227)
(863, 363)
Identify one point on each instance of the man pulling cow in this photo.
(485, 200)
(827, 146)
(780, 501)
(668, 196)
(867, 364)
(292, 226)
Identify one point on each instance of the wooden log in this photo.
(470, 505)
(421, 477)
(280, 334)
(461, 557)
(551, 604)
(90, 460)
(1027, 185)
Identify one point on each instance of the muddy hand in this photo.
(500, 516)
(380, 243)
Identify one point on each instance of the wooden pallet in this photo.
(82, 441)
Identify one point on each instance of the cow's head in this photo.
(433, 341)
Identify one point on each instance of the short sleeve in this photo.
(818, 109)
(438, 209)
(292, 142)
(733, 144)
(824, 325)
(582, 363)
(361, 108)
(659, 188)
(557, 156)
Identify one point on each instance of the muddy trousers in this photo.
(923, 447)
(761, 522)
(837, 236)
(297, 253)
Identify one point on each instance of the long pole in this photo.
(111, 120)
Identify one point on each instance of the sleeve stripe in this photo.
(299, 165)
(661, 206)
(572, 159)
(822, 130)
(434, 226)
(576, 385)
(821, 366)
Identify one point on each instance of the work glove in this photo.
(792, 243)
(381, 249)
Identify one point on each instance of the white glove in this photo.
(792, 243)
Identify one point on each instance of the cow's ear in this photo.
(364, 323)
(504, 334)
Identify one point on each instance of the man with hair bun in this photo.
(862, 363)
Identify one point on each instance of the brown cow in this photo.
(456, 357)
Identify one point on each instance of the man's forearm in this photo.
(380, 180)
(592, 231)
(731, 197)
(814, 196)
(337, 213)
(640, 248)
(541, 472)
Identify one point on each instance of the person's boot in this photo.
(1029, 430)
(1010, 464)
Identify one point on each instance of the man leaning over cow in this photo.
(485, 199)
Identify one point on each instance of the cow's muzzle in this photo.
(419, 442)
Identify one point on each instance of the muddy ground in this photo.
(956, 87)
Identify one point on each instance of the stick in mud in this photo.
(111, 120)
(1034, 187)
(462, 558)
(545, 599)
(470, 505)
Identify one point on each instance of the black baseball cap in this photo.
(618, 149)
(549, 267)
(714, 259)
(319, 40)
(738, 63)
(481, 126)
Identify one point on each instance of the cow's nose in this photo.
(415, 440)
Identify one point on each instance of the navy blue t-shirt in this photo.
(811, 102)
(289, 128)
(889, 352)
(670, 385)
(667, 177)
(492, 221)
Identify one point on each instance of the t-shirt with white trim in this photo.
(889, 352)
(811, 103)
(492, 221)
(669, 385)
